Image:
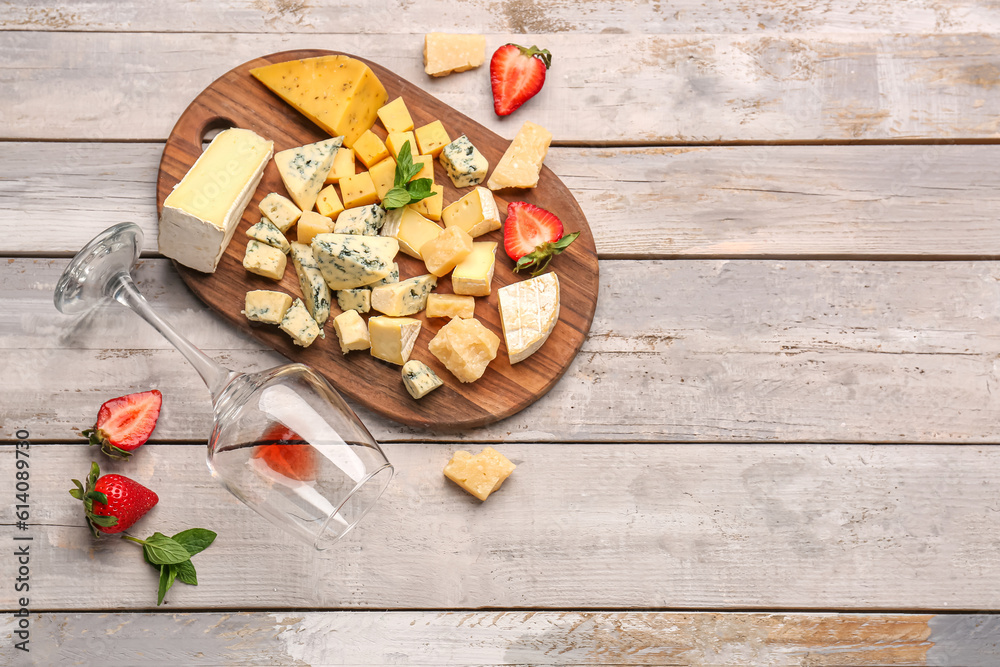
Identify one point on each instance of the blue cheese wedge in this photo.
(361, 220)
(393, 338)
(529, 311)
(266, 306)
(265, 232)
(347, 261)
(463, 163)
(303, 170)
(300, 325)
(315, 292)
(406, 297)
(264, 260)
(352, 332)
(280, 211)
(358, 299)
(393, 277)
(200, 216)
(419, 379)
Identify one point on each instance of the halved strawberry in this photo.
(286, 453)
(516, 75)
(112, 503)
(125, 423)
(532, 236)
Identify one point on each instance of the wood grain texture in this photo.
(604, 88)
(643, 203)
(512, 638)
(695, 351)
(505, 388)
(670, 526)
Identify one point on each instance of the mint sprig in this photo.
(172, 555)
(404, 191)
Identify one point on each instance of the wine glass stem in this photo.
(124, 291)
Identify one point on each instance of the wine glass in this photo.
(284, 441)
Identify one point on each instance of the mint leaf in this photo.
(396, 198)
(167, 575)
(194, 540)
(164, 551)
(186, 573)
(405, 169)
(420, 189)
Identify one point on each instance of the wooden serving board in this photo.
(238, 100)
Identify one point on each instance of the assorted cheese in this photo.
(479, 475)
(311, 224)
(343, 165)
(522, 161)
(328, 203)
(410, 229)
(395, 116)
(361, 220)
(358, 299)
(431, 138)
(445, 53)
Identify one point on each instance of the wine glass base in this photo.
(85, 282)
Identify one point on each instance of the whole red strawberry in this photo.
(532, 236)
(112, 503)
(125, 423)
(516, 75)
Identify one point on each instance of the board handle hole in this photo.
(213, 128)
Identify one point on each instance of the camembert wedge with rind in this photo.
(200, 216)
(392, 338)
(303, 170)
(522, 162)
(347, 261)
(529, 311)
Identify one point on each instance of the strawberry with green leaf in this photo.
(532, 236)
(405, 191)
(112, 503)
(125, 423)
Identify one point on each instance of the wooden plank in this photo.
(696, 351)
(513, 638)
(746, 201)
(713, 527)
(514, 16)
(752, 88)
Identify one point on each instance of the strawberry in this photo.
(125, 423)
(516, 75)
(286, 453)
(532, 236)
(112, 503)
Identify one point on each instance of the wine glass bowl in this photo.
(283, 441)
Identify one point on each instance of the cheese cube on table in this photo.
(431, 138)
(445, 53)
(463, 163)
(395, 116)
(351, 331)
(529, 310)
(522, 162)
(311, 224)
(383, 176)
(393, 338)
(315, 292)
(348, 261)
(419, 379)
(358, 190)
(303, 170)
(202, 212)
(450, 305)
(280, 211)
(406, 297)
(411, 229)
(300, 325)
(444, 253)
(479, 475)
(343, 165)
(474, 275)
(265, 232)
(476, 213)
(328, 203)
(266, 306)
(370, 149)
(465, 347)
(361, 220)
(359, 299)
(430, 207)
(396, 140)
(264, 260)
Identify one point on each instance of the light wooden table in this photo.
(777, 446)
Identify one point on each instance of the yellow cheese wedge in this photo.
(474, 274)
(392, 338)
(479, 475)
(340, 94)
(522, 162)
(445, 53)
(529, 311)
(476, 213)
(411, 229)
(465, 347)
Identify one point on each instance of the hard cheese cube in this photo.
(426, 163)
(396, 140)
(465, 347)
(479, 475)
(431, 138)
(359, 299)
(264, 260)
(463, 163)
(358, 190)
(266, 306)
(343, 165)
(474, 275)
(430, 207)
(522, 162)
(444, 53)
(383, 176)
(370, 149)
(476, 213)
(351, 331)
(300, 325)
(280, 211)
(311, 224)
(393, 338)
(328, 203)
(403, 298)
(265, 232)
(442, 254)
(450, 305)
(361, 220)
(395, 116)
(411, 229)
(419, 379)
